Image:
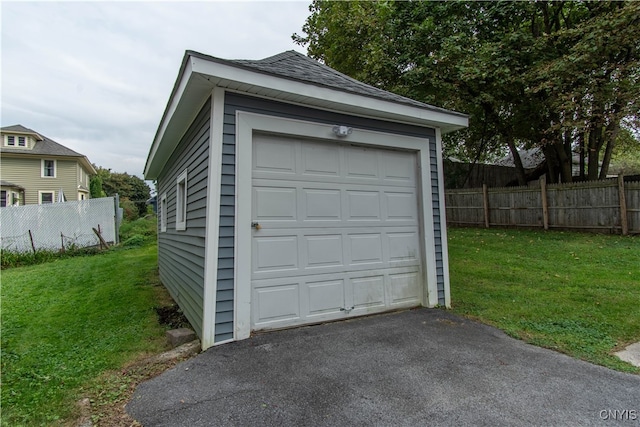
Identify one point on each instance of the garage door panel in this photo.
(403, 288)
(365, 249)
(275, 203)
(322, 204)
(361, 163)
(275, 253)
(399, 167)
(401, 206)
(323, 251)
(403, 247)
(368, 292)
(325, 297)
(276, 303)
(320, 159)
(274, 155)
(363, 205)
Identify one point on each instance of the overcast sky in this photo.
(96, 76)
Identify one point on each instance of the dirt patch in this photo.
(172, 316)
(105, 404)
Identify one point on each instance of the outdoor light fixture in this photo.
(342, 131)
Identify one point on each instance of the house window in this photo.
(3, 199)
(46, 197)
(181, 201)
(48, 168)
(22, 141)
(11, 140)
(163, 213)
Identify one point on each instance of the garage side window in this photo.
(163, 213)
(181, 201)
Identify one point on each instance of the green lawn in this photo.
(572, 292)
(66, 322)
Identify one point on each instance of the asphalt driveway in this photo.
(419, 367)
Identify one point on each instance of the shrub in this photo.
(146, 227)
(135, 240)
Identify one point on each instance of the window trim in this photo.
(163, 213)
(41, 192)
(42, 168)
(181, 201)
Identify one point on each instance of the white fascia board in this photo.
(171, 109)
(368, 105)
(201, 75)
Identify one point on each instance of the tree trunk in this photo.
(595, 142)
(611, 134)
(582, 156)
(552, 163)
(563, 162)
(517, 161)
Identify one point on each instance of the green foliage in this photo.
(66, 322)
(129, 208)
(133, 191)
(145, 228)
(555, 75)
(626, 154)
(576, 293)
(11, 259)
(135, 240)
(95, 187)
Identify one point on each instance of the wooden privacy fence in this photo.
(610, 206)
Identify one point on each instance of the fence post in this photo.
(545, 205)
(116, 203)
(623, 206)
(32, 245)
(485, 204)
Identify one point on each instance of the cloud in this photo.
(96, 76)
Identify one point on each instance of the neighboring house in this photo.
(291, 194)
(38, 170)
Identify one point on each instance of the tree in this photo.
(553, 75)
(95, 187)
(131, 189)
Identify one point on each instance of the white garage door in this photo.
(338, 231)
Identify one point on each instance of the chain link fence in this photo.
(59, 226)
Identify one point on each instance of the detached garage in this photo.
(291, 194)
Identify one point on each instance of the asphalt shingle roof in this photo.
(10, 184)
(296, 66)
(47, 147)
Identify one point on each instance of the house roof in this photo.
(8, 184)
(289, 77)
(296, 66)
(531, 158)
(43, 147)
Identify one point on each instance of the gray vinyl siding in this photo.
(438, 221)
(181, 253)
(224, 292)
(236, 102)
